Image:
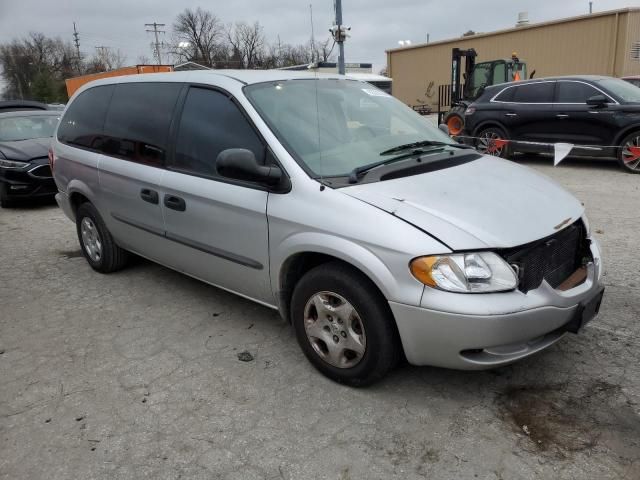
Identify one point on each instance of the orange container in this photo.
(74, 83)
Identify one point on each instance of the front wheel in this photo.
(629, 153)
(493, 141)
(343, 325)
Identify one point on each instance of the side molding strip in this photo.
(232, 257)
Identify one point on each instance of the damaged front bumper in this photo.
(479, 331)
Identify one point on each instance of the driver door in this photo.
(218, 226)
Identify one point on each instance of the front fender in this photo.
(395, 281)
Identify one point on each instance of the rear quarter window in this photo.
(506, 95)
(138, 120)
(534, 93)
(83, 121)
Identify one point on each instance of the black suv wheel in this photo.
(629, 153)
(489, 143)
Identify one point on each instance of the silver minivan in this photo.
(370, 230)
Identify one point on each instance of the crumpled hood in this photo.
(25, 150)
(485, 203)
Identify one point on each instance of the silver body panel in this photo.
(227, 231)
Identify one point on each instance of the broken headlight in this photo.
(477, 272)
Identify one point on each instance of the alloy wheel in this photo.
(334, 330)
(487, 143)
(630, 154)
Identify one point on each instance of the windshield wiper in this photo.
(356, 172)
(423, 143)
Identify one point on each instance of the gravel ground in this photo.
(137, 375)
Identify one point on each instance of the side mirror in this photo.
(597, 100)
(241, 164)
(444, 128)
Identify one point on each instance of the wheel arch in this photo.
(627, 131)
(487, 124)
(299, 261)
(78, 193)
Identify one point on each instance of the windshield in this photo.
(621, 89)
(27, 127)
(335, 126)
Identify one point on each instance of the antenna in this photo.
(313, 41)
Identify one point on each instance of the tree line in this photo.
(36, 66)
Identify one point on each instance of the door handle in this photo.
(510, 114)
(149, 195)
(175, 203)
(562, 115)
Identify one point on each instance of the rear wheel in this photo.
(493, 141)
(97, 244)
(343, 325)
(629, 153)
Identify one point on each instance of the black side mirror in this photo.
(241, 164)
(597, 100)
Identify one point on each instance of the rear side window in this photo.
(506, 95)
(210, 123)
(534, 93)
(574, 92)
(138, 120)
(84, 119)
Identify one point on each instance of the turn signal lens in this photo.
(477, 272)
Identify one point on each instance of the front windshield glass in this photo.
(624, 90)
(27, 127)
(334, 126)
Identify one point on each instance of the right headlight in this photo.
(477, 272)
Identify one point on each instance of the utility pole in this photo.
(76, 40)
(157, 42)
(340, 34)
(590, 8)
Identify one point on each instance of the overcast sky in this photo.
(376, 24)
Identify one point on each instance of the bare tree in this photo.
(104, 60)
(198, 37)
(248, 41)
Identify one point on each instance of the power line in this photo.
(102, 50)
(157, 42)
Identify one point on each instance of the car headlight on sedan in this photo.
(477, 272)
(11, 164)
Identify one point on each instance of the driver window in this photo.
(210, 123)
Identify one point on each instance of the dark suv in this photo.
(600, 115)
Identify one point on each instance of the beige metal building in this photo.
(606, 43)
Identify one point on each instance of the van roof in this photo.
(246, 77)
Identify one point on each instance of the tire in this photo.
(98, 246)
(454, 120)
(625, 157)
(369, 328)
(485, 138)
